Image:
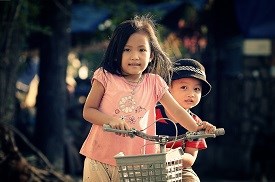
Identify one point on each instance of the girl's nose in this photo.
(134, 56)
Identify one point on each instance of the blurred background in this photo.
(50, 48)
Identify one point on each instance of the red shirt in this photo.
(166, 127)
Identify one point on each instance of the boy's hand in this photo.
(207, 127)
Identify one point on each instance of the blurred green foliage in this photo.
(119, 11)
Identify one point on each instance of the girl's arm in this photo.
(178, 113)
(91, 106)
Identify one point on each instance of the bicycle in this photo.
(162, 167)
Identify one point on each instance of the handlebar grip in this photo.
(108, 128)
(203, 134)
(219, 131)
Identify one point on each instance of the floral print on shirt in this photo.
(128, 109)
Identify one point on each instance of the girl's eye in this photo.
(126, 49)
(142, 50)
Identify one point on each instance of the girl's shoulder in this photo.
(100, 71)
(104, 73)
(155, 79)
(151, 76)
(106, 77)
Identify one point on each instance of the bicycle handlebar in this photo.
(163, 139)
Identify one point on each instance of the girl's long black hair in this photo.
(160, 63)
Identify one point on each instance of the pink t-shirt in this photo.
(137, 109)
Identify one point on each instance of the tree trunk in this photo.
(11, 41)
(13, 165)
(51, 99)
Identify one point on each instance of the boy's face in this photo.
(187, 91)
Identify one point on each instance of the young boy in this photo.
(188, 85)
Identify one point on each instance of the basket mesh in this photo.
(166, 167)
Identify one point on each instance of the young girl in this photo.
(188, 85)
(124, 93)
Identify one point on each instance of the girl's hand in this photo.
(207, 127)
(119, 124)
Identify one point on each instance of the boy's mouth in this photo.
(189, 101)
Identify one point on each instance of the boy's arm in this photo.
(189, 157)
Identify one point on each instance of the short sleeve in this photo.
(161, 87)
(100, 76)
(198, 144)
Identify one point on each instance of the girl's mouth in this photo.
(134, 64)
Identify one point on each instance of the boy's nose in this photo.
(191, 94)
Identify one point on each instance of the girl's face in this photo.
(187, 91)
(136, 56)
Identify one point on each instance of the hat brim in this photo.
(206, 87)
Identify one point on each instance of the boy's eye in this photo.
(142, 50)
(184, 87)
(198, 89)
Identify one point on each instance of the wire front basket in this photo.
(162, 167)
